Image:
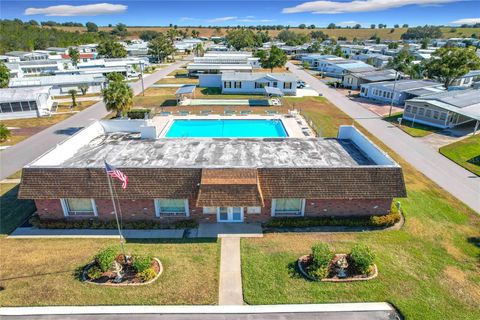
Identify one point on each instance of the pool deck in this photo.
(294, 126)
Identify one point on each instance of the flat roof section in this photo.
(124, 150)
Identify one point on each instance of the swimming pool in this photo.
(227, 128)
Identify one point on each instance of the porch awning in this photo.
(229, 188)
(273, 91)
(185, 90)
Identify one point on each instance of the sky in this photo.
(247, 12)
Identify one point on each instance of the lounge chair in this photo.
(205, 112)
(271, 112)
(183, 113)
(165, 113)
(229, 112)
(245, 112)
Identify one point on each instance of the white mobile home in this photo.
(25, 102)
(61, 84)
(355, 79)
(444, 110)
(404, 89)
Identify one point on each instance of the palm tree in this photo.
(4, 133)
(198, 50)
(83, 88)
(73, 94)
(118, 97)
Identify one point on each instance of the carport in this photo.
(184, 93)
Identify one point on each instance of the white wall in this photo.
(210, 80)
(365, 145)
(146, 128)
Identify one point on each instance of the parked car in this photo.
(301, 84)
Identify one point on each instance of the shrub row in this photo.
(304, 222)
(110, 224)
(138, 113)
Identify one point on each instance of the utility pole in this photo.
(393, 94)
(141, 77)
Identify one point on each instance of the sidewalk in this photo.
(230, 289)
(30, 233)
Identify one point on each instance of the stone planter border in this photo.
(309, 277)
(88, 266)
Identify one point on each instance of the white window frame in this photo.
(274, 203)
(208, 211)
(66, 209)
(158, 212)
(254, 210)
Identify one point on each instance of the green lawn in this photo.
(428, 269)
(465, 152)
(41, 272)
(415, 130)
(12, 210)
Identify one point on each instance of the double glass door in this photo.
(230, 214)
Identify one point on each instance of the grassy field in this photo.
(417, 130)
(13, 211)
(429, 269)
(463, 152)
(25, 128)
(384, 34)
(41, 272)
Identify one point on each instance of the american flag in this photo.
(115, 173)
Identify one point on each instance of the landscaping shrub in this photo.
(319, 273)
(138, 113)
(94, 272)
(105, 258)
(147, 275)
(362, 258)
(321, 255)
(141, 263)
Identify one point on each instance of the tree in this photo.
(4, 133)
(405, 25)
(372, 26)
(198, 50)
(292, 38)
(314, 47)
(402, 62)
(302, 26)
(118, 97)
(161, 47)
(4, 75)
(115, 77)
(73, 94)
(425, 43)
(338, 51)
(396, 26)
(276, 58)
(331, 26)
(111, 49)
(195, 33)
(91, 27)
(305, 65)
(318, 35)
(74, 56)
(148, 35)
(83, 88)
(357, 26)
(449, 63)
(242, 38)
(33, 22)
(120, 30)
(312, 26)
(416, 33)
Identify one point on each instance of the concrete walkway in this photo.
(230, 288)
(459, 182)
(29, 233)
(225, 230)
(24, 152)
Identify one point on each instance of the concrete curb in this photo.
(284, 308)
(31, 233)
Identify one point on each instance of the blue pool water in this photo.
(226, 129)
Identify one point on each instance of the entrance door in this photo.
(229, 214)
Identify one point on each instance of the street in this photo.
(461, 183)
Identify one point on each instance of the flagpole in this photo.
(116, 217)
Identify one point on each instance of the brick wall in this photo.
(144, 209)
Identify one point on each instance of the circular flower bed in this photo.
(121, 272)
(350, 273)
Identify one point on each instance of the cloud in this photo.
(222, 19)
(187, 19)
(347, 23)
(83, 10)
(254, 20)
(466, 21)
(331, 7)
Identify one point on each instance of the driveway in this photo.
(17, 156)
(461, 183)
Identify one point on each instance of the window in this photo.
(287, 85)
(288, 207)
(274, 84)
(254, 210)
(421, 111)
(227, 84)
(5, 107)
(435, 114)
(428, 113)
(414, 109)
(443, 116)
(33, 105)
(79, 207)
(16, 106)
(171, 207)
(25, 106)
(407, 109)
(238, 84)
(259, 85)
(209, 210)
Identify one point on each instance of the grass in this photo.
(13, 211)
(464, 152)
(428, 269)
(41, 272)
(30, 126)
(417, 130)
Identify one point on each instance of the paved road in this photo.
(17, 156)
(362, 315)
(461, 183)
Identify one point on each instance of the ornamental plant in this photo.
(322, 255)
(147, 275)
(141, 263)
(362, 258)
(105, 258)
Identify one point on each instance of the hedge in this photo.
(305, 222)
(138, 113)
(110, 224)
